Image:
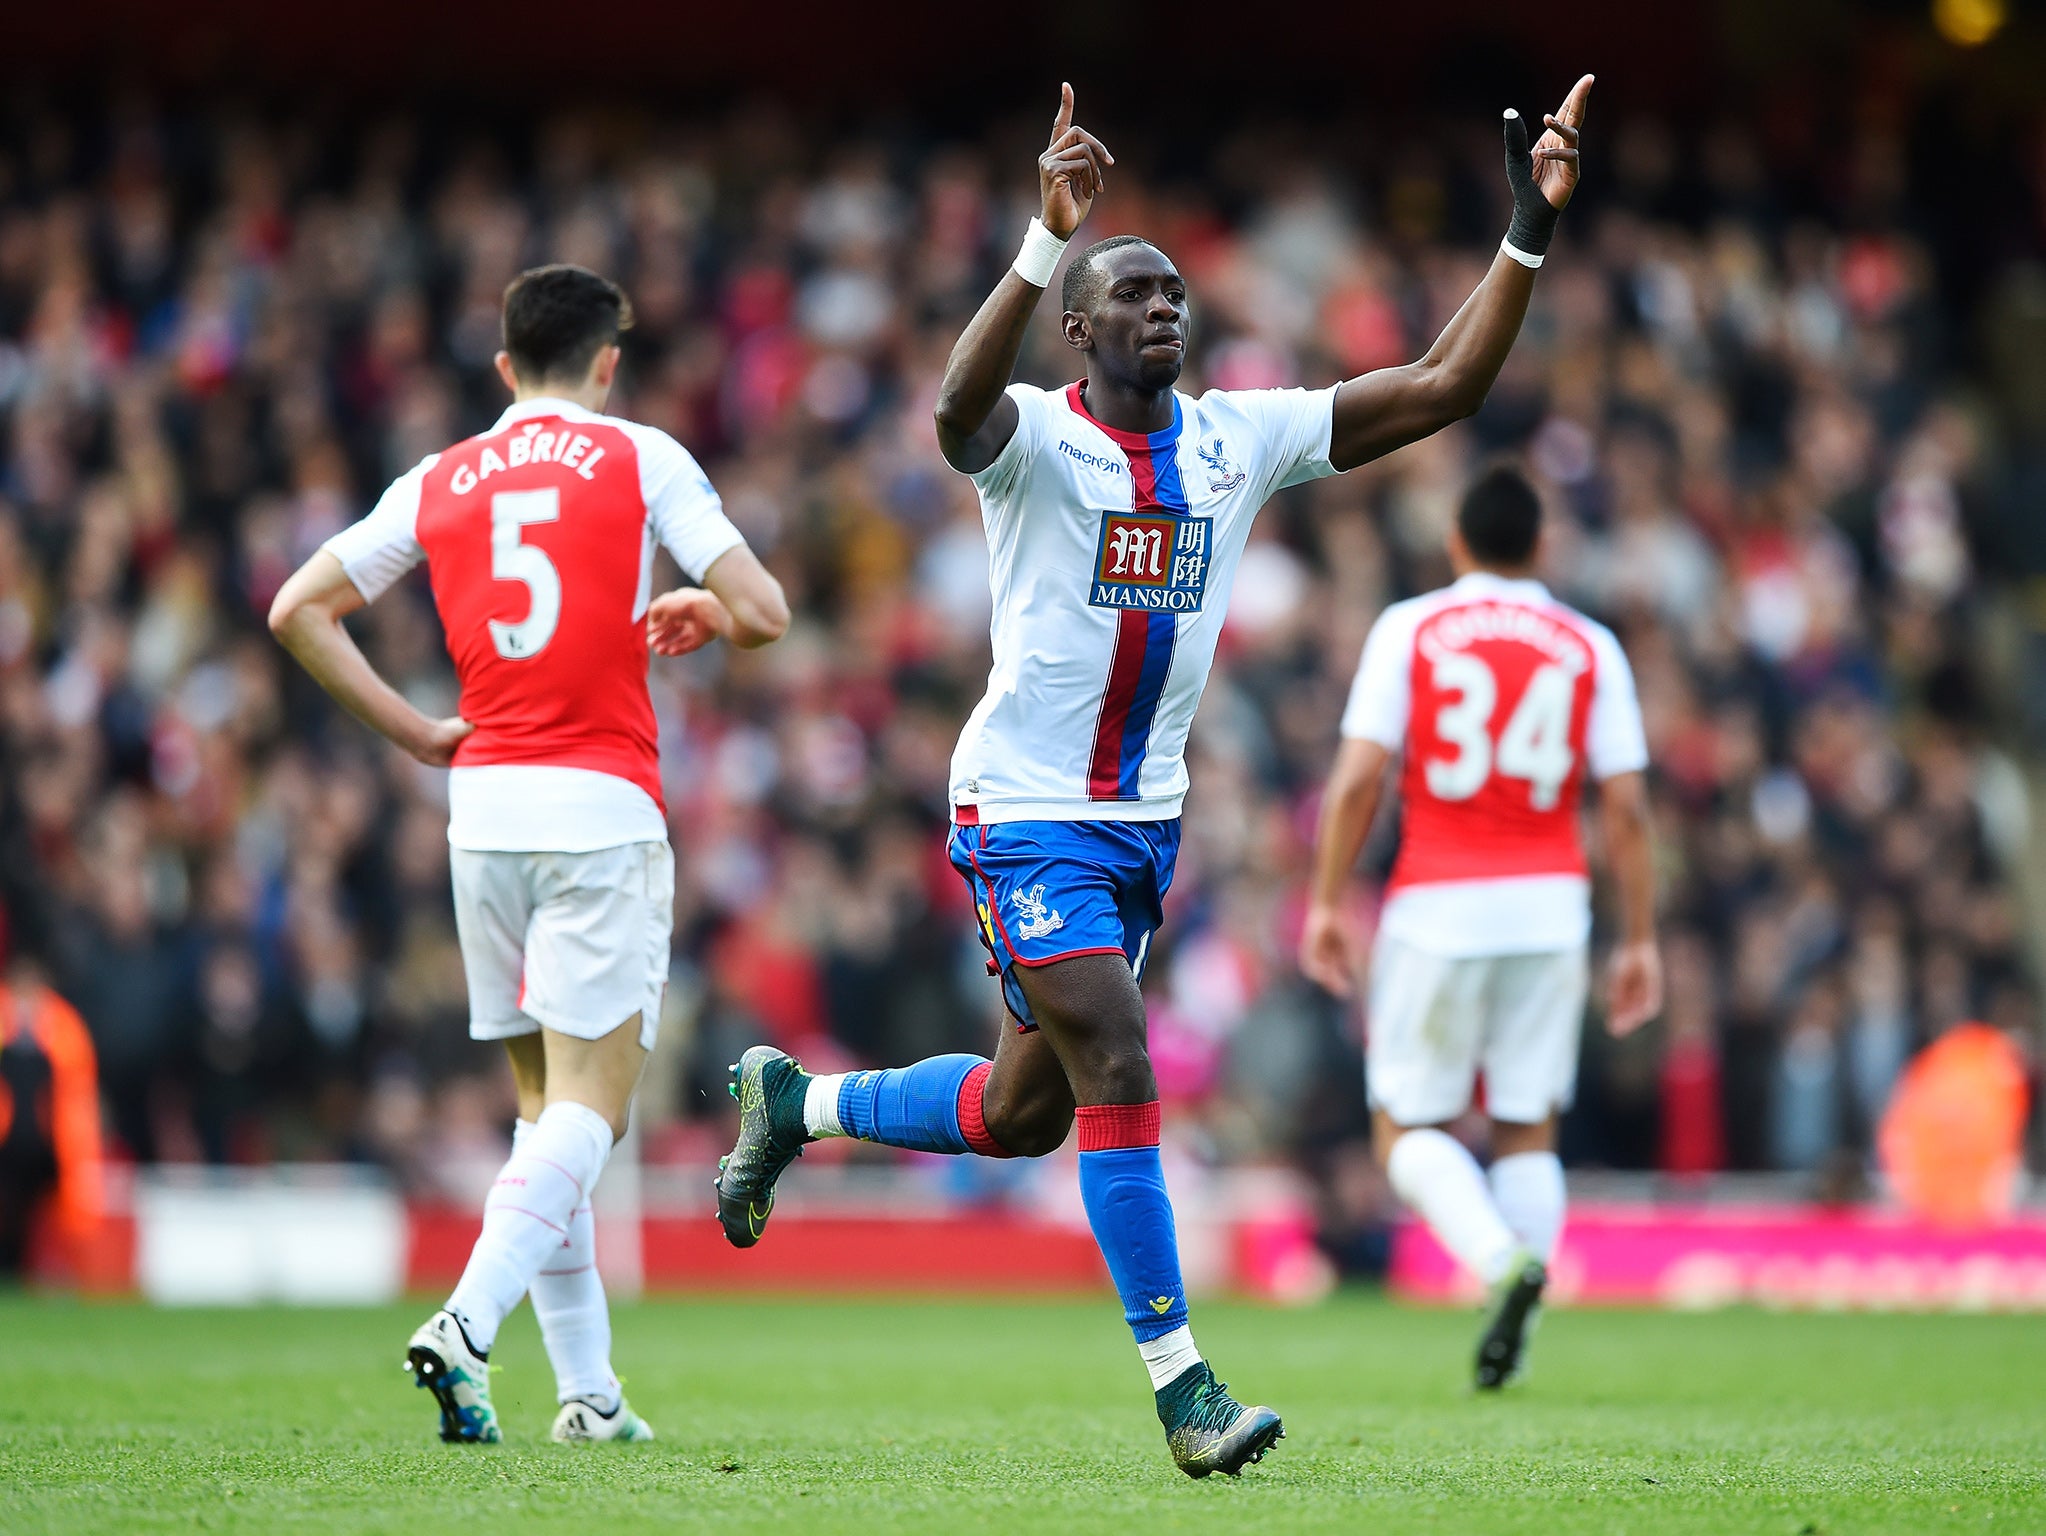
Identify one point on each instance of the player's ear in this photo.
(1073, 326)
(504, 371)
(1459, 551)
(605, 367)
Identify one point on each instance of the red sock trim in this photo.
(1106, 1127)
(973, 1114)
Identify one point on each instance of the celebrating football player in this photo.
(1116, 511)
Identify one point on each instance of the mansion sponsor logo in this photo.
(1152, 561)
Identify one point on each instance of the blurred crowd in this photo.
(1775, 450)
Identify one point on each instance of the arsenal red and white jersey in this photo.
(539, 536)
(1111, 556)
(1500, 700)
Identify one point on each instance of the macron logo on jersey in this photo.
(1091, 460)
(1152, 561)
(532, 446)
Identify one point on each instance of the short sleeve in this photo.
(1616, 742)
(384, 545)
(1295, 425)
(684, 510)
(1381, 696)
(1002, 479)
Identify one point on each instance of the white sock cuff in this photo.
(820, 1105)
(1169, 1356)
(582, 1123)
(1417, 1153)
(1517, 1165)
(521, 1129)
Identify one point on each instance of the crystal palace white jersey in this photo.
(1111, 556)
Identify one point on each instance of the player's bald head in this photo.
(1087, 276)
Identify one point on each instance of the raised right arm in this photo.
(975, 418)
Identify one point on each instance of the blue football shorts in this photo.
(1053, 890)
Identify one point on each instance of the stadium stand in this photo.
(1782, 422)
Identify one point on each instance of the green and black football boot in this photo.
(1515, 1305)
(769, 1086)
(1208, 1430)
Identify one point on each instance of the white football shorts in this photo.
(1436, 1020)
(577, 942)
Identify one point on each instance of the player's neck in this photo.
(1497, 572)
(587, 396)
(1127, 407)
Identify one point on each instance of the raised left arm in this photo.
(1378, 412)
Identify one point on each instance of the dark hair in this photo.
(1082, 287)
(1501, 517)
(557, 317)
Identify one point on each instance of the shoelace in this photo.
(1212, 1408)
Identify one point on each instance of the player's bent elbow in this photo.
(285, 613)
(1459, 402)
(1444, 397)
(762, 623)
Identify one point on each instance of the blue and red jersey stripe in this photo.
(1143, 639)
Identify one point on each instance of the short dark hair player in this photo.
(540, 535)
(1116, 511)
(1499, 703)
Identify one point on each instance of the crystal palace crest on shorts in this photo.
(1037, 919)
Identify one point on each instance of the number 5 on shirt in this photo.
(511, 559)
(1534, 746)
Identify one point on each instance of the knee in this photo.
(1028, 1123)
(1124, 1076)
(1037, 1133)
(1111, 1062)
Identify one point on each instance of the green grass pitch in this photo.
(868, 1417)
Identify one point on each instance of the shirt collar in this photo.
(543, 405)
(1492, 584)
(1153, 442)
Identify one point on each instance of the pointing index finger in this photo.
(1572, 110)
(1064, 120)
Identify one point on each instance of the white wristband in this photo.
(1526, 259)
(1039, 257)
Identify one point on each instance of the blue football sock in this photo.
(915, 1106)
(1122, 1184)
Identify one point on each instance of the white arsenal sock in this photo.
(1528, 1189)
(526, 1217)
(1434, 1174)
(575, 1319)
